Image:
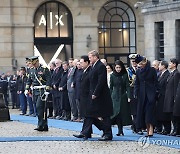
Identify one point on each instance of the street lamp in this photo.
(138, 4)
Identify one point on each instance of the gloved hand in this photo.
(46, 93)
(26, 92)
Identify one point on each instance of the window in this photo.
(178, 39)
(117, 29)
(53, 19)
(159, 34)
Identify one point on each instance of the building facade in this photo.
(162, 29)
(71, 28)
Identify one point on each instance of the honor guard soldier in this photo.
(40, 80)
(31, 103)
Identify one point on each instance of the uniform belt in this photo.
(39, 87)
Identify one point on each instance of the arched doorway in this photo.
(117, 31)
(53, 32)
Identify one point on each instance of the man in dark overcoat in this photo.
(65, 104)
(171, 88)
(84, 85)
(100, 107)
(76, 85)
(176, 110)
(84, 94)
(56, 78)
(163, 119)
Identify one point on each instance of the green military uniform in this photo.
(39, 76)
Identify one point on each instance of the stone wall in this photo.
(17, 28)
(168, 13)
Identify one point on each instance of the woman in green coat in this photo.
(120, 93)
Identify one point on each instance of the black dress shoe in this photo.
(120, 134)
(164, 133)
(140, 132)
(173, 134)
(149, 135)
(39, 128)
(105, 138)
(45, 128)
(158, 132)
(81, 136)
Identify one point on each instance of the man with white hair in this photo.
(56, 77)
(155, 64)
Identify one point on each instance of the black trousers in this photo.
(117, 120)
(56, 106)
(177, 124)
(104, 125)
(40, 106)
(166, 124)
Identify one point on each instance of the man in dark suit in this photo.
(76, 85)
(70, 88)
(176, 110)
(65, 105)
(99, 107)
(84, 85)
(163, 119)
(171, 88)
(56, 77)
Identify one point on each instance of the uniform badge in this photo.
(40, 72)
(40, 78)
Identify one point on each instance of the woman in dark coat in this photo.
(120, 93)
(145, 90)
(65, 105)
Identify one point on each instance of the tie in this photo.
(57, 70)
(70, 70)
(170, 75)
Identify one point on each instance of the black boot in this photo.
(120, 131)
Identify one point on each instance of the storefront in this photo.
(53, 32)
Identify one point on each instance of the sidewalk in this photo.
(18, 136)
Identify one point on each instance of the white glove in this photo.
(26, 92)
(46, 93)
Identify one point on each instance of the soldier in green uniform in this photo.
(39, 78)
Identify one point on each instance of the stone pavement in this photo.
(65, 145)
